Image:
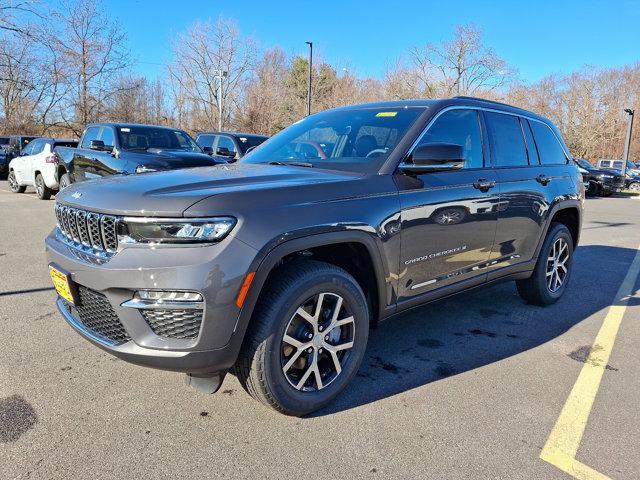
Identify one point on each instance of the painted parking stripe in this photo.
(564, 440)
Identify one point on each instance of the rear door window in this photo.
(506, 140)
(549, 148)
(90, 134)
(460, 127)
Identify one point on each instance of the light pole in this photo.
(627, 145)
(221, 74)
(309, 82)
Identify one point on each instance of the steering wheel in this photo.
(379, 151)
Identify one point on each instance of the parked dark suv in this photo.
(601, 182)
(231, 146)
(276, 267)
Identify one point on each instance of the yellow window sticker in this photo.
(386, 114)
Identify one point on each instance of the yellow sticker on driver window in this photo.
(386, 114)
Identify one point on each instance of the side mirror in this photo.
(208, 150)
(434, 157)
(224, 152)
(96, 145)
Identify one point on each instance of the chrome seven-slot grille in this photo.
(91, 230)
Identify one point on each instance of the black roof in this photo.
(128, 125)
(235, 134)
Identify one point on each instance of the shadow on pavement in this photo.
(474, 329)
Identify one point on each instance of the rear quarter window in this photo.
(549, 148)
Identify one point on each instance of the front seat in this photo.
(365, 145)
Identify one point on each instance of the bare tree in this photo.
(30, 84)
(200, 53)
(264, 110)
(462, 66)
(14, 16)
(93, 49)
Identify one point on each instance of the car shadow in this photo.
(477, 328)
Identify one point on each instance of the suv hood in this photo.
(169, 194)
(160, 159)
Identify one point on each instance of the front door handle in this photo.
(484, 185)
(543, 179)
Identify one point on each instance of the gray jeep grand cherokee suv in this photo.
(276, 267)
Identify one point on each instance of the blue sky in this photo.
(536, 37)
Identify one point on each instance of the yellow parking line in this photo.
(564, 440)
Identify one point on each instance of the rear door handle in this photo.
(543, 179)
(484, 185)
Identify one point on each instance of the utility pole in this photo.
(627, 145)
(221, 74)
(309, 81)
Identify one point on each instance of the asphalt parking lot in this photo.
(466, 388)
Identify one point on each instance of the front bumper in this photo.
(215, 271)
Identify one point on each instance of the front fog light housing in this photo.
(168, 296)
(181, 231)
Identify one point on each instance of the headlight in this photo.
(188, 230)
(606, 176)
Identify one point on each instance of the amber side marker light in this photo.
(242, 294)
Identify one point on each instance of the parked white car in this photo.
(37, 166)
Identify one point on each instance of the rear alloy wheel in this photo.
(65, 181)
(307, 337)
(13, 183)
(44, 192)
(634, 186)
(553, 268)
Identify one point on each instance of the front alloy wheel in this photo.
(316, 342)
(306, 339)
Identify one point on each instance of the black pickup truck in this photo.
(116, 148)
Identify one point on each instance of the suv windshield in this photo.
(584, 164)
(143, 138)
(357, 140)
(249, 141)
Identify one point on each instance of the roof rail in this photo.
(465, 97)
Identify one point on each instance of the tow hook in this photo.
(207, 382)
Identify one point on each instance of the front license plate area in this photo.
(63, 284)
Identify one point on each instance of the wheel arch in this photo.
(367, 267)
(569, 213)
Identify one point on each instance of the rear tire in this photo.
(634, 186)
(43, 192)
(13, 183)
(65, 181)
(553, 268)
(292, 364)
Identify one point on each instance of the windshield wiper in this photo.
(295, 164)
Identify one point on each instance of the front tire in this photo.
(307, 338)
(43, 192)
(13, 183)
(553, 268)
